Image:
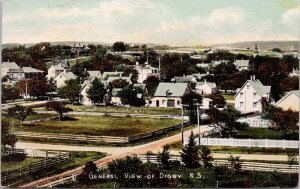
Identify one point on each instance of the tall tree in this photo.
(190, 153)
(9, 92)
(206, 157)
(151, 84)
(119, 46)
(20, 112)
(59, 107)
(84, 176)
(96, 92)
(130, 95)
(71, 90)
(119, 83)
(35, 87)
(164, 156)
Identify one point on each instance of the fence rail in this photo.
(245, 165)
(262, 143)
(59, 136)
(157, 132)
(35, 166)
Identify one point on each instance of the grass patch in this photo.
(127, 110)
(100, 125)
(228, 97)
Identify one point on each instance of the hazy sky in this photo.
(173, 22)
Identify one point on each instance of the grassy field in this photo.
(78, 159)
(129, 110)
(228, 97)
(95, 125)
(14, 165)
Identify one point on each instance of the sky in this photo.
(171, 22)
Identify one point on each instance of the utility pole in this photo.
(198, 122)
(159, 63)
(26, 90)
(182, 124)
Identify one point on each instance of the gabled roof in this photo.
(68, 75)
(110, 79)
(258, 87)
(10, 65)
(210, 84)
(241, 63)
(175, 89)
(297, 93)
(94, 73)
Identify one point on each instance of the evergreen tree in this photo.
(164, 156)
(83, 177)
(206, 156)
(190, 153)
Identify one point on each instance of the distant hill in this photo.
(71, 43)
(262, 45)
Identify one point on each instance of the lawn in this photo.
(228, 97)
(100, 125)
(128, 110)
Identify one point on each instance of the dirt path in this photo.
(114, 153)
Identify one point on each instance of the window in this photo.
(178, 102)
(248, 87)
(241, 104)
(254, 95)
(171, 103)
(241, 95)
(157, 103)
(254, 104)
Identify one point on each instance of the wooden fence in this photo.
(262, 143)
(107, 139)
(157, 132)
(59, 136)
(245, 165)
(35, 166)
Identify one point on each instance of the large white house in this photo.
(289, 101)
(169, 95)
(63, 77)
(55, 70)
(146, 71)
(247, 98)
(241, 64)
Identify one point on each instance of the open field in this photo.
(123, 109)
(105, 126)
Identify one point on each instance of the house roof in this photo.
(210, 84)
(110, 79)
(94, 73)
(68, 75)
(175, 89)
(26, 70)
(10, 65)
(241, 63)
(258, 87)
(297, 93)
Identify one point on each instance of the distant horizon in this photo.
(172, 22)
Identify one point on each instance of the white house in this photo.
(62, 77)
(207, 103)
(24, 73)
(217, 62)
(8, 66)
(169, 95)
(55, 70)
(185, 79)
(206, 87)
(105, 75)
(83, 92)
(289, 101)
(146, 71)
(94, 74)
(247, 98)
(241, 64)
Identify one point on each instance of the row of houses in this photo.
(239, 64)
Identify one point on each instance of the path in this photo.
(115, 153)
(23, 103)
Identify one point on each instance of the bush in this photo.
(16, 157)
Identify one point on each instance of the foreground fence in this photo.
(262, 143)
(7, 175)
(245, 165)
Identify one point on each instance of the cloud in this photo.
(292, 16)
(228, 16)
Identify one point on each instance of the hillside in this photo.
(262, 45)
